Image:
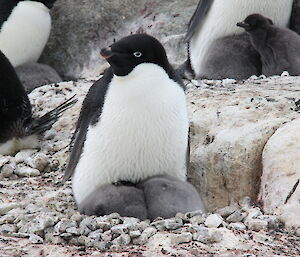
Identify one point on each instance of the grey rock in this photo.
(198, 219)
(169, 224)
(208, 236)
(257, 224)
(189, 215)
(95, 25)
(213, 221)
(73, 230)
(62, 225)
(7, 170)
(8, 229)
(103, 225)
(96, 235)
(237, 226)
(35, 239)
(33, 75)
(54, 239)
(237, 216)
(67, 236)
(77, 217)
(107, 236)
(100, 245)
(87, 225)
(273, 221)
(40, 161)
(23, 155)
(6, 207)
(144, 224)
(134, 233)
(184, 237)
(253, 213)
(228, 210)
(122, 240)
(4, 160)
(27, 172)
(149, 232)
(120, 229)
(85, 241)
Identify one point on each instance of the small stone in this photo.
(237, 226)
(169, 224)
(107, 236)
(85, 241)
(213, 221)
(96, 235)
(35, 239)
(228, 210)
(4, 160)
(254, 213)
(208, 235)
(73, 231)
(52, 238)
(273, 221)
(119, 229)
(61, 226)
(100, 245)
(114, 216)
(7, 170)
(189, 215)
(197, 220)
(77, 217)
(23, 155)
(184, 237)
(27, 172)
(103, 225)
(39, 162)
(121, 240)
(6, 207)
(149, 232)
(134, 233)
(66, 236)
(257, 225)
(237, 216)
(89, 223)
(144, 224)
(8, 229)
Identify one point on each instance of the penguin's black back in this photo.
(6, 8)
(14, 103)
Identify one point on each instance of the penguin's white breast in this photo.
(25, 33)
(142, 132)
(222, 18)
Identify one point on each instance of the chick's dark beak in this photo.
(106, 52)
(243, 25)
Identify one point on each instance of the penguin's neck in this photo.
(221, 21)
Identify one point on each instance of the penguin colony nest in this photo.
(37, 209)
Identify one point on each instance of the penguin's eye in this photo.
(137, 54)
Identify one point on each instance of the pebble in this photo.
(40, 161)
(169, 224)
(198, 219)
(237, 216)
(8, 229)
(208, 235)
(228, 210)
(184, 237)
(7, 170)
(273, 221)
(257, 224)
(62, 225)
(213, 221)
(27, 172)
(237, 226)
(6, 207)
(35, 239)
(122, 240)
(23, 155)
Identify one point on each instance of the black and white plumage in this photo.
(133, 126)
(216, 19)
(18, 127)
(278, 47)
(24, 29)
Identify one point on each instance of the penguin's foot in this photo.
(165, 196)
(126, 200)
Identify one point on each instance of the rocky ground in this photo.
(38, 216)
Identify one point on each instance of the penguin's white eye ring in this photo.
(137, 54)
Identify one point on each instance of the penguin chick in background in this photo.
(19, 129)
(25, 27)
(279, 48)
(129, 150)
(213, 26)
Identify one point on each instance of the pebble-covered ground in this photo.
(38, 216)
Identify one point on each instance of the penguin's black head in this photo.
(48, 3)
(254, 22)
(125, 54)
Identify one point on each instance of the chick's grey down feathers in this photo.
(278, 47)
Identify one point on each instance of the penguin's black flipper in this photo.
(200, 13)
(90, 112)
(41, 124)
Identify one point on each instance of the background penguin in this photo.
(215, 19)
(18, 128)
(133, 126)
(278, 47)
(24, 29)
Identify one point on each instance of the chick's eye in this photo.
(137, 54)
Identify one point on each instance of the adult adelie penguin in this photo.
(213, 20)
(19, 128)
(24, 29)
(129, 152)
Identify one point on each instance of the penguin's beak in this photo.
(243, 25)
(106, 52)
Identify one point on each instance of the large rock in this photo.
(81, 28)
(230, 125)
(280, 189)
